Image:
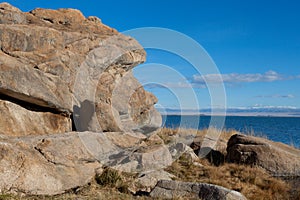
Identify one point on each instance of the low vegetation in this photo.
(109, 177)
(253, 182)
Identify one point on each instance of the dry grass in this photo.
(109, 177)
(253, 182)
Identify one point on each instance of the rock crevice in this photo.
(30, 106)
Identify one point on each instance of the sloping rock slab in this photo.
(48, 165)
(277, 158)
(141, 159)
(175, 189)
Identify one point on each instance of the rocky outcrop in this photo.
(174, 189)
(277, 158)
(72, 66)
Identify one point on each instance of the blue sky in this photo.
(254, 44)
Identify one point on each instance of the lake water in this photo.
(279, 129)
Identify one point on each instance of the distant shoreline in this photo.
(235, 114)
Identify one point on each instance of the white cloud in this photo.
(201, 81)
(288, 96)
(171, 85)
(269, 76)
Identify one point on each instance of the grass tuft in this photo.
(109, 177)
(6, 197)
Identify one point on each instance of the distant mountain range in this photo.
(239, 111)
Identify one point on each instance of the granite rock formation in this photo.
(58, 61)
(277, 158)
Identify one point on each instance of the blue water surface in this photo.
(279, 129)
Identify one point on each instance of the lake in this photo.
(279, 129)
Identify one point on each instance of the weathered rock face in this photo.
(132, 105)
(18, 121)
(277, 158)
(72, 65)
(135, 107)
(174, 189)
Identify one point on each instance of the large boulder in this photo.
(277, 158)
(174, 189)
(48, 165)
(62, 62)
